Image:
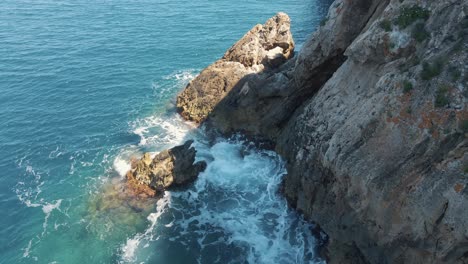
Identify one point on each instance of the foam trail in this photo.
(47, 208)
(131, 246)
(182, 77)
(27, 250)
(161, 131)
(28, 192)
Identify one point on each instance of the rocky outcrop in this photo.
(263, 49)
(378, 156)
(372, 119)
(172, 167)
(261, 103)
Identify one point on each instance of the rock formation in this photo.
(372, 119)
(170, 167)
(263, 48)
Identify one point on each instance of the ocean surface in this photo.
(85, 86)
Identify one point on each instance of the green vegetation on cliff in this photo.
(409, 15)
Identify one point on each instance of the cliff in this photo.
(371, 117)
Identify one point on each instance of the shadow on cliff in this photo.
(260, 104)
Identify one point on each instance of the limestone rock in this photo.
(263, 48)
(253, 48)
(372, 120)
(274, 95)
(378, 163)
(207, 89)
(170, 167)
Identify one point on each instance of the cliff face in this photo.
(371, 117)
(378, 155)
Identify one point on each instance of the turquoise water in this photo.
(85, 86)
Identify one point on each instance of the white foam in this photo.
(28, 203)
(161, 131)
(72, 165)
(27, 250)
(234, 202)
(55, 153)
(141, 131)
(183, 77)
(165, 130)
(29, 189)
(128, 250)
(121, 165)
(174, 82)
(47, 208)
(248, 207)
(131, 246)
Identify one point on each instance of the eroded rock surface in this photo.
(172, 167)
(263, 48)
(378, 155)
(372, 119)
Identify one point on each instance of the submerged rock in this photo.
(116, 210)
(263, 48)
(170, 167)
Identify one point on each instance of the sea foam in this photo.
(233, 204)
(131, 246)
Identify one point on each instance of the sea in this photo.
(85, 86)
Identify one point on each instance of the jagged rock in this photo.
(142, 169)
(261, 103)
(170, 167)
(253, 48)
(208, 88)
(136, 188)
(263, 48)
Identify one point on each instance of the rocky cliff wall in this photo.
(371, 117)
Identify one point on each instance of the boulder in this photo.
(171, 167)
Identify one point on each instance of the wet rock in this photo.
(170, 167)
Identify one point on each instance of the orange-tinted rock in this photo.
(175, 166)
(136, 188)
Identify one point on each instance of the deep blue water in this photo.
(84, 86)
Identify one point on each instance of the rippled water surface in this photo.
(85, 86)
